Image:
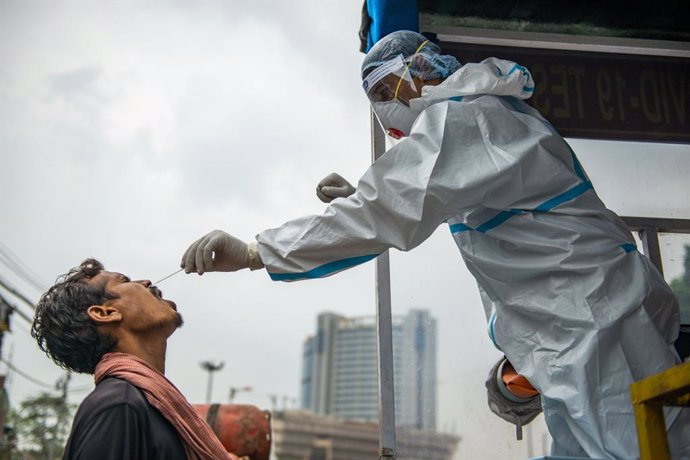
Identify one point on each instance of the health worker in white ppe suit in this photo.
(569, 299)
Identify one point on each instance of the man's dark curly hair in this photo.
(61, 325)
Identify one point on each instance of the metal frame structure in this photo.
(542, 40)
(668, 388)
(648, 229)
(384, 326)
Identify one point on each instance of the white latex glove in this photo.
(333, 186)
(220, 252)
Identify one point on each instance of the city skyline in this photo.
(340, 368)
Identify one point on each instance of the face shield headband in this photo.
(381, 84)
(392, 81)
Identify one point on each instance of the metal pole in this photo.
(650, 243)
(384, 325)
(209, 387)
(210, 368)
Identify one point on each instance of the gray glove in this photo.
(512, 409)
(220, 252)
(333, 186)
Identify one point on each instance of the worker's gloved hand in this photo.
(333, 186)
(511, 396)
(220, 252)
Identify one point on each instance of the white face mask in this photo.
(396, 118)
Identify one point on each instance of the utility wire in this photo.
(43, 384)
(17, 294)
(80, 389)
(22, 328)
(20, 268)
(14, 309)
(25, 375)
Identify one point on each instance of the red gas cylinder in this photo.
(243, 429)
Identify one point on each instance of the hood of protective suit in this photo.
(493, 76)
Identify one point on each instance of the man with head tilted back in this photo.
(103, 323)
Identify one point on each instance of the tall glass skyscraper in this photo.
(339, 369)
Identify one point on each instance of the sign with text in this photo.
(602, 95)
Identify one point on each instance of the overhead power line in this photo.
(17, 294)
(34, 380)
(80, 389)
(25, 375)
(14, 263)
(14, 309)
(21, 327)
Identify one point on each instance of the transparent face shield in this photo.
(390, 81)
(390, 88)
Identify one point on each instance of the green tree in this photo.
(681, 287)
(42, 425)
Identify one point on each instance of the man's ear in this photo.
(102, 314)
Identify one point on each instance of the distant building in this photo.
(301, 435)
(340, 368)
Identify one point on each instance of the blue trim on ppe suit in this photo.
(323, 270)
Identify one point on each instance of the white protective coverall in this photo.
(570, 301)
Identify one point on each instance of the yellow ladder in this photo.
(668, 388)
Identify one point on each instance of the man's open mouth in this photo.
(159, 294)
(156, 292)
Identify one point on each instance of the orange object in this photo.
(517, 384)
(243, 429)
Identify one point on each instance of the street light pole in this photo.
(210, 367)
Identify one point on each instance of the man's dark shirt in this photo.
(116, 422)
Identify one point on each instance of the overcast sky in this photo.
(129, 129)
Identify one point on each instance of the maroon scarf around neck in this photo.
(199, 440)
